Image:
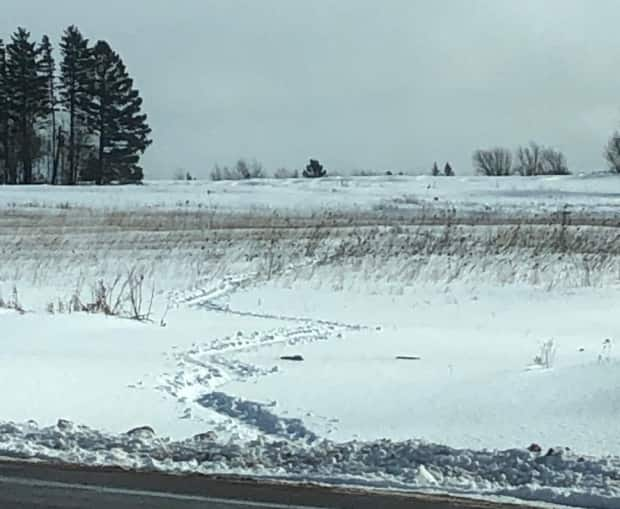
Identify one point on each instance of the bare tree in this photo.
(493, 162)
(554, 162)
(283, 173)
(529, 160)
(612, 152)
(242, 170)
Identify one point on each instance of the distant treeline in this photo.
(79, 121)
(528, 161)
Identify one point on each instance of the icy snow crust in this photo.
(463, 274)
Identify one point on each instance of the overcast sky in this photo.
(384, 84)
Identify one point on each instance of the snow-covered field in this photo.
(469, 279)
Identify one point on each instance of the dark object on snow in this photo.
(141, 431)
(582, 349)
(296, 358)
(408, 358)
(535, 448)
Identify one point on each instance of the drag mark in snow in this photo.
(204, 295)
(258, 416)
(211, 364)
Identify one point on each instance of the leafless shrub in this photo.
(13, 302)
(554, 162)
(107, 297)
(139, 309)
(539, 160)
(121, 296)
(283, 173)
(365, 173)
(612, 152)
(162, 321)
(493, 162)
(243, 170)
(546, 354)
(529, 160)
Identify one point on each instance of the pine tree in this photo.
(448, 171)
(314, 169)
(75, 68)
(4, 118)
(26, 93)
(435, 170)
(114, 115)
(47, 69)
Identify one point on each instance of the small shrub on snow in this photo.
(243, 170)
(546, 354)
(13, 302)
(605, 355)
(283, 173)
(123, 296)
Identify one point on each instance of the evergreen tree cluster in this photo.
(447, 171)
(80, 121)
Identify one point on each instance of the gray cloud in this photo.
(392, 84)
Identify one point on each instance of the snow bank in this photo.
(556, 476)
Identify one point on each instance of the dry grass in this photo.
(55, 247)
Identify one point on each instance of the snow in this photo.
(593, 194)
(557, 476)
(472, 305)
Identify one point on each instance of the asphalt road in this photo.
(38, 486)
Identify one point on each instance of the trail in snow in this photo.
(209, 365)
(258, 416)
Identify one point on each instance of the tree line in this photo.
(528, 161)
(79, 121)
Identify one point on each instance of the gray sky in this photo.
(384, 84)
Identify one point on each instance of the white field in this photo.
(471, 275)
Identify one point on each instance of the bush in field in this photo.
(529, 160)
(612, 152)
(243, 170)
(448, 171)
(314, 169)
(537, 159)
(554, 162)
(181, 174)
(546, 354)
(283, 173)
(122, 296)
(13, 302)
(495, 162)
